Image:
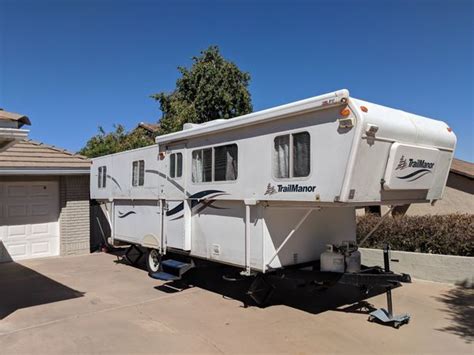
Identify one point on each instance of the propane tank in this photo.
(352, 257)
(332, 261)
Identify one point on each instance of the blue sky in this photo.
(74, 65)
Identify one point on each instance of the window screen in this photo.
(138, 173)
(225, 162)
(291, 155)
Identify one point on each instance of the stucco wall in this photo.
(432, 267)
(74, 216)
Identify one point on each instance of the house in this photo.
(457, 198)
(44, 201)
(458, 195)
(11, 128)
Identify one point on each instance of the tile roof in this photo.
(462, 167)
(31, 154)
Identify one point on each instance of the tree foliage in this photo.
(116, 141)
(212, 88)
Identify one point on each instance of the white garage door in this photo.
(29, 220)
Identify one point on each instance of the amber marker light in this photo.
(345, 112)
(364, 109)
(449, 129)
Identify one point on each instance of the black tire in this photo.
(371, 319)
(153, 261)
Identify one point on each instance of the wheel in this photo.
(397, 325)
(153, 260)
(371, 319)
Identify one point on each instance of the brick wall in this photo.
(74, 214)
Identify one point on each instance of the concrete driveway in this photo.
(92, 304)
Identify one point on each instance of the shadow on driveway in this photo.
(21, 287)
(460, 303)
(314, 300)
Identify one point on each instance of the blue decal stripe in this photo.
(414, 173)
(123, 215)
(419, 176)
(194, 202)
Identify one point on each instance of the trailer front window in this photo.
(291, 155)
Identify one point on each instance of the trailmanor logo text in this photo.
(413, 163)
(271, 189)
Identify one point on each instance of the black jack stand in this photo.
(386, 316)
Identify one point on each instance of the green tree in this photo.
(116, 141)
(212, 88)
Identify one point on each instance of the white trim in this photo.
(312, 104)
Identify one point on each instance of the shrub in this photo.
(446, 234)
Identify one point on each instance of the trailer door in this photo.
(178, 215)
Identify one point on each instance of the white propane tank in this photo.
(332, 261)
(352, 256)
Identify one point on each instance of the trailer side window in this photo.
(301, 154)
(176, 165)
(291, 155)
(138, 173)
(216, 164)
(225, 162)
(202, 165)
(179, 165)
(102, 177)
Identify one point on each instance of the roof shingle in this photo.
(31, 154)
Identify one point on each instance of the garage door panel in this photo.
(17, 211)
(18, 251)
(40, 209)
(40, 228)
(29, 219)
(17, 231)
(17, 191)
(40, 190)
(41, 248)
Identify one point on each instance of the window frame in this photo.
(102, 177)
(212, 148)
(291, 158)
(177, 163)
(140, 173)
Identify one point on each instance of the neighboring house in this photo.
(44, 202)
(11, 128)
(458, 194)
(457, 198)
(150, 128)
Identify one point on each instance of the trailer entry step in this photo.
(161, 275)
(174, 264)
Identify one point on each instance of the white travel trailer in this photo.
(270, 189)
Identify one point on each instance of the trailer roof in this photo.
(311, 104)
